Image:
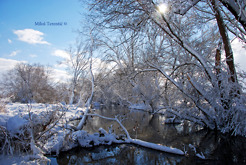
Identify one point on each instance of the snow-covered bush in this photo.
(25, 131)
(12, 140)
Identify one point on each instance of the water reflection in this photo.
(218, 149)
(117, 154)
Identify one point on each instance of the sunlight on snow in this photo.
(162, 8)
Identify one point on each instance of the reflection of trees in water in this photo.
(120, 154)
(232, 150)
(218, 149)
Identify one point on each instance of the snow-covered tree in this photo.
(193, 31)
(77, 63)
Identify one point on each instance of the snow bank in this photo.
(15, 124)
(66, 140)
(4, 119)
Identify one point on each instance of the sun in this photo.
(162, 8)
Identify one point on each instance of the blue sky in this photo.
(22, 39)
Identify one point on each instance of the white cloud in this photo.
(60, 75)
(14, 53)
(239, 53)
(98, 65)
(10, 41)
(61, 53)
(30, 36)
(33, 55)
(8, 64)
(60, 65)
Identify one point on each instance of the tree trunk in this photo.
(226, 42)
(71, 96)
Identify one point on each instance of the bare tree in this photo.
(77, 64)
(27, 83)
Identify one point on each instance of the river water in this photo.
(217, 148)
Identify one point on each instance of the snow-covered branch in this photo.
(89, 101)
(237, 8)
(209, 118)
(140, 142)
(113, 119)
(169, 31)
(183, 11)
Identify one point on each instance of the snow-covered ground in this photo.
(47, 128)
(18, 115)
(17, 118)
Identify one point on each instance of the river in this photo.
(217, 148)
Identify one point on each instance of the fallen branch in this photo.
(158, 147)
(154, 146)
